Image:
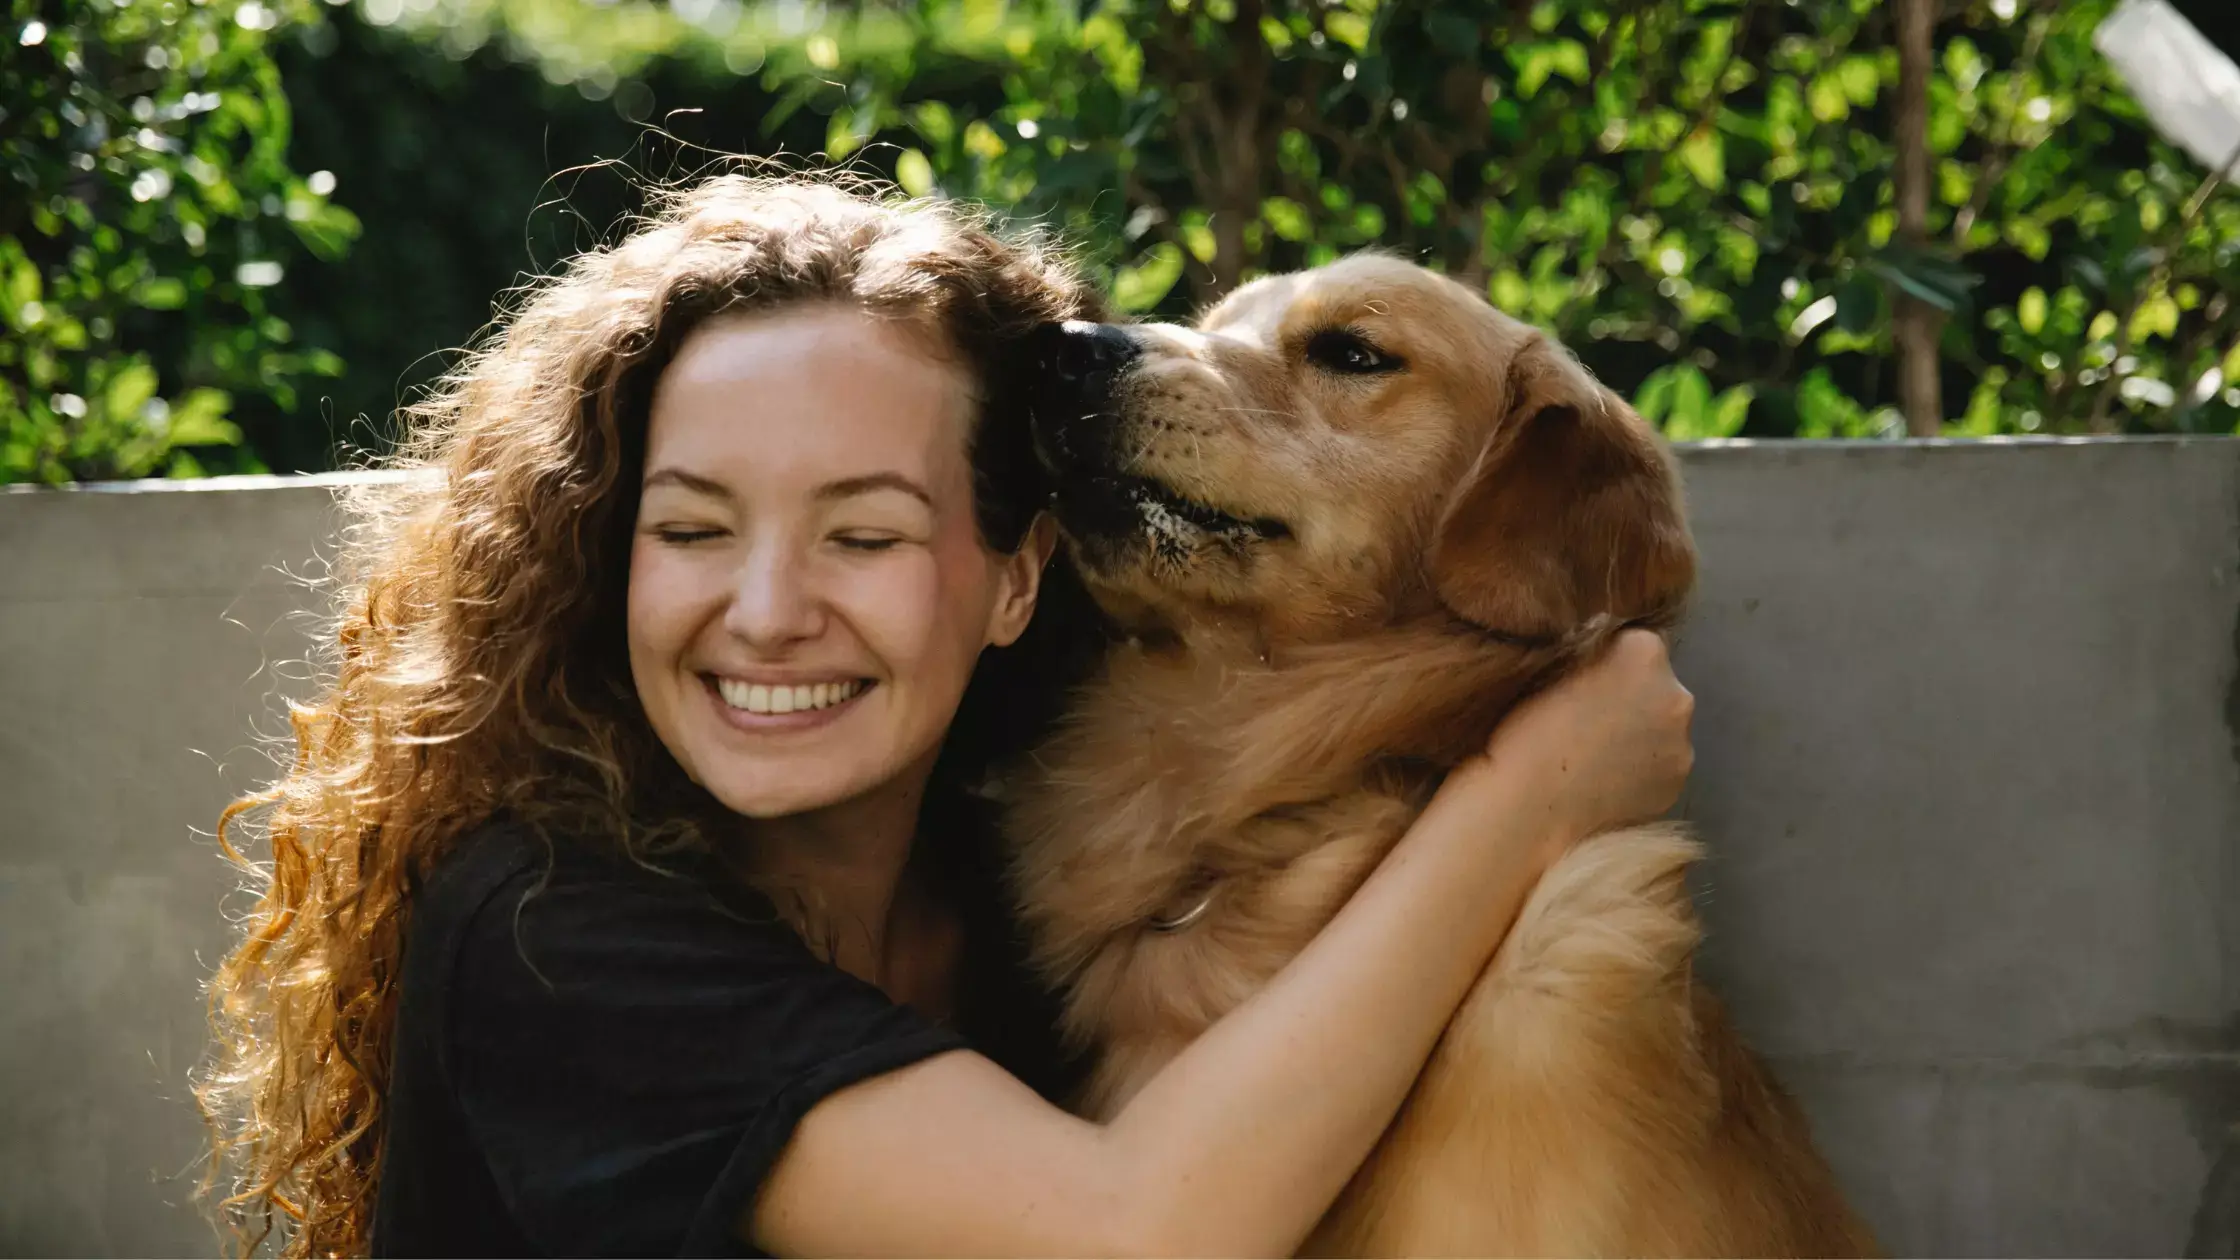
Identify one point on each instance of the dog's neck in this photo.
(1284, 725)
(1181, 749)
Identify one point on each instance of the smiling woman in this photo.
(718, 527)
(633, 890)
(808, 589)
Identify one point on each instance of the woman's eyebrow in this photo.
(690, 481)
(849, 487)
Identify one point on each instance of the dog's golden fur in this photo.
(1457, 521)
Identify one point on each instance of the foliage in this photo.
(1696, 195)
(148, 210)
(483, 144)
(1693, 194)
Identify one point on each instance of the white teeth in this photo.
(763, 698)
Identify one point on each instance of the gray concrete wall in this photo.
(142, 634)
(1966, 761)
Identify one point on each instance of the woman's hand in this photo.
(1605, 747)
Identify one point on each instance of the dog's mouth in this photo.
(1078, 434)
(1112, 505)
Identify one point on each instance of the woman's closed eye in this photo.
(858, 541)
(684, 535)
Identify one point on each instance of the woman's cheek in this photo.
(671, 594)
(649, 597)
(892, 605)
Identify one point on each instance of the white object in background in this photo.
(2190, 89)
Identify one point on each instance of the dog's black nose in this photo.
(1080, 358)
(1075, 365)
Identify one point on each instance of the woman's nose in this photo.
(775, 602)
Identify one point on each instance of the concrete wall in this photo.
(1966, 759)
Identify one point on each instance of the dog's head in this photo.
(1350, 445)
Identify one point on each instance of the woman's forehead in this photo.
(821, 384)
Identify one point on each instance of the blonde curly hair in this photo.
(476, 665)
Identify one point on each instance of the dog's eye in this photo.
(1346, 351)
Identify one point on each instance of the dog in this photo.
(1345, 522)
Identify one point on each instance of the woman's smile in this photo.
(774, 706)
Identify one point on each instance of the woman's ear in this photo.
(1019, 581)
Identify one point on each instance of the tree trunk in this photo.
(1915, 324)
(1238, 140)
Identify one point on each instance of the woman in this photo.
(627, 892)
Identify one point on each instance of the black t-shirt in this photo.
(594, 1058)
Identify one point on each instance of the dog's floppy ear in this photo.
(1570, 510)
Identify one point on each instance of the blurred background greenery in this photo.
(235, 233)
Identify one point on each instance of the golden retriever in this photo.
(1346, 521)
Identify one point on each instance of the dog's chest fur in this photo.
(1274, 788)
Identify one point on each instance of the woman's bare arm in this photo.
(1241, 1143)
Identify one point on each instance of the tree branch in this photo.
(1915, 325)
(2003, 151)
(2157, 279)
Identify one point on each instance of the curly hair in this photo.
(477, 667)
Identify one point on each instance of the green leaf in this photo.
(1654, 399)
(1198, 239)
(1827, 99)
(1825, 411)
(1677, 397)
(161, 293)
(2030, 310)
(1139, 288)
(1534, 62)
(841, 137)
(1860, 80)
(1730, 411)
(935, 122)
(1568, 57)
(19, 280)
(1287, 218)
(199, 419)
(1720, 417)
(129, 389)
(981, 141)
(2157, 316)
(1985, 406)
(1704, 155)
(914, 173)
(1350, 29)
(1691, 400)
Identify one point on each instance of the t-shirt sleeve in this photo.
(632, 1056)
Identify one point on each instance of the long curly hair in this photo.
(476, 666)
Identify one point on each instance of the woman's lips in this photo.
(767, 707)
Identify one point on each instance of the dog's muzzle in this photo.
(1076, 365)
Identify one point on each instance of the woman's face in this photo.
(808, 590)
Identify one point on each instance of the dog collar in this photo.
(1177, 922)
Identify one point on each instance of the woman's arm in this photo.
(1241, 1143)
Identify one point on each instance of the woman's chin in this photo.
(766, 795)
